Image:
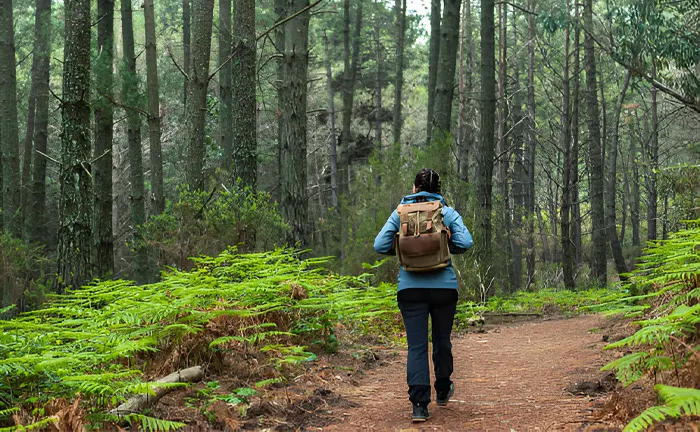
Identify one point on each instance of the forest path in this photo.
(512, 378)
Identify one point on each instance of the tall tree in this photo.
(131, 97)
(519, 171)
(75, 204)
(280, 13)
(104, 132)
(611, 193)
(202, 16)
(245, 165)
(445, 85)
(378, 78)
(566, 245)
(575, 229)
(9, 135)
(156, 151)
(595, 153)
(225, 92)
(433, 60)
(293, 106)
(486, 144)
(652, 159)
(530, 149)
(331, 113)
(40, 75)
(351, 62)
(400, 9)
(635, 198)
(503, 214)
(186, 51)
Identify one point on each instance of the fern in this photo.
(8, 412)
(678, 402)
(152, 424)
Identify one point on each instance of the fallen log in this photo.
(138, 403)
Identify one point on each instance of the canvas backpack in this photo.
(422, 240)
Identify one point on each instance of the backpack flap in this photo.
(422, 241)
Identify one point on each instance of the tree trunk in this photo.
(186, 47)
(156, 151)
(530, 149)
(349, 77)
(596, 167)
(636, 198)
(575, 121)
(225, 73)
(445, 85)
(378, 81)
(245, 159)
(280, 13)
(75, 204)
(41, 66)
(486, 150)
(9, 134)
(130, 94)
(331, 112)
(433, 59)
(104, 132)
(611, 198)
(461, 132)
(566, 245)
(519, 172)
(398, 83)
(653, 161)
(202, 16)
(294, 92)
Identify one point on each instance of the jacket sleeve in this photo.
(461, 239)
(384, 242)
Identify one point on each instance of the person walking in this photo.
(424, 232)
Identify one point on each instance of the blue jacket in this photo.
(460, 241)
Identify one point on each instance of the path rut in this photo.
(512, 378)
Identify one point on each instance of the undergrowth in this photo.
(666, 288)
(551, 301)
(93, 341)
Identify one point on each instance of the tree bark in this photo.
(41, 66)
(156, 151)
(130, 94)
(331, 113)
(444, 87)
(611, 197)
(75, 204)
(280, 13)
(104, 133)
(636, 198)
(202, 16)
(566, 244)
(400, 9)
(596, 167)
(9, 134)
(530, 149)
(245, 155)
(433, 59)
(294, 92)
(486, 144)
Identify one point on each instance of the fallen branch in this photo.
(137, 404)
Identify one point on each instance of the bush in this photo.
(23, 273)
(204, 223)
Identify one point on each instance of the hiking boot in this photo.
(444, 396)
(420, 413)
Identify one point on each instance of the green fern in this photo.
(8, 412)
(678, 402)
(152, 424)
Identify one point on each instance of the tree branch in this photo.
(289, 18)
(170, 54)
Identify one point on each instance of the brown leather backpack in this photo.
(422, 240)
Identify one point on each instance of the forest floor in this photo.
(536, 376)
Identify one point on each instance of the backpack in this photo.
(422, 243)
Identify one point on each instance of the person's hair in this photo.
(428, 180)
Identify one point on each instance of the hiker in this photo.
(423, 232)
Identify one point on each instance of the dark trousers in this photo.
(416, 304)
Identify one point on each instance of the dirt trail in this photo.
(512, 378)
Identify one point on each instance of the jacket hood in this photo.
(410, 199)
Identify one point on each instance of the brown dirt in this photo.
(513, 378)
